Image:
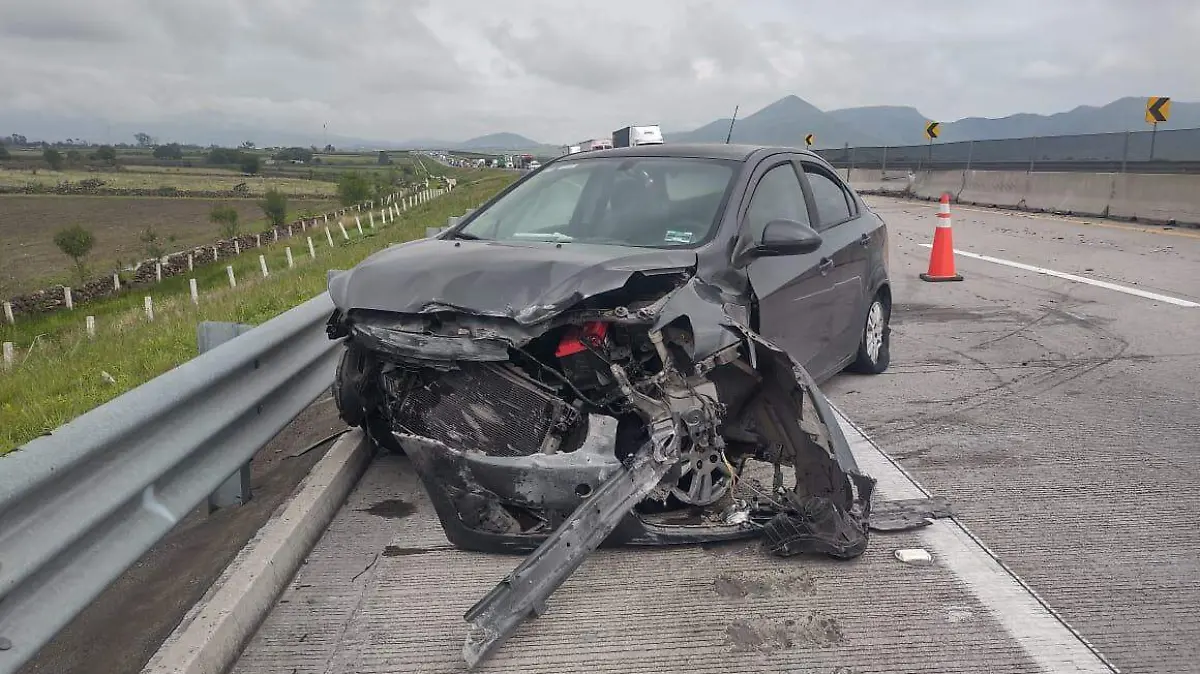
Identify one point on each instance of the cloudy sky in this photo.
(559, 70)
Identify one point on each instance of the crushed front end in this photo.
(513, 426)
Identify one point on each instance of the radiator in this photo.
(482, 406)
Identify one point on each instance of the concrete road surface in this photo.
(1061, 418)
(1058, 415)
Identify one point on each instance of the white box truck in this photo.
(637, 135)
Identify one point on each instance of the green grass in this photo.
(60, 373)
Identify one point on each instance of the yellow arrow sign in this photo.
(932, 130)
(1158, 109)
(808, 140)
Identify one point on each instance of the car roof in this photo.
(691, 150)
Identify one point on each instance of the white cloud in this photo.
(557, 71)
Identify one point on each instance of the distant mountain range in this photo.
(788, 120)
(784, 122)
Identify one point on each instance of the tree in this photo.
(222, 155)
(171, 151)
(274, 206)
(54, 158)
(294, 154)
(106, 153)
(384, 159)
(75, 242)
(353, 188)
(250, 164)
(248, 145)
(17, 140)
(143, 139)
(330, 148)
(227, 217)
(4, 152)
(73, 156)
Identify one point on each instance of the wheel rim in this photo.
(874, 334)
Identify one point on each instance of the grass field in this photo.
(30, 260)
(60, 374)
(136, 178)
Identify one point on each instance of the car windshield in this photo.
(660, 202)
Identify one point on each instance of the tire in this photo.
(349, 382)
(875, 342)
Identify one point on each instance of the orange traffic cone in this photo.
(941, 259)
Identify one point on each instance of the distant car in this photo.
(669, 304)
(534, 165)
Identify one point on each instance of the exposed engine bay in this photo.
(627, 417)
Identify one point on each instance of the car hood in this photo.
(525, 281)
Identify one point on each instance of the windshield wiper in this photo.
(466, 236)
(557, 237)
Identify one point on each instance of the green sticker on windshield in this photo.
(677, 237)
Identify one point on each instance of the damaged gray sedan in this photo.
(594, 356)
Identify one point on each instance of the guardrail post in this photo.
(235, 490)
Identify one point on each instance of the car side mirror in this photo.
(786, 237)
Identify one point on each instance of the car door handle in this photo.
(825, 265)
(865, 239)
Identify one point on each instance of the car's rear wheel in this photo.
(874, 346)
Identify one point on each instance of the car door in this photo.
(847, 234)
(794, 292)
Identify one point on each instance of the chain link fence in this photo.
(1174, 151)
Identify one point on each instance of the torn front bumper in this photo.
(513, 504)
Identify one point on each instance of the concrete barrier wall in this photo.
(1156, 198)
(995, 188)
(881, 182)
(1135, 196)
(1078, 194)
(933, 184)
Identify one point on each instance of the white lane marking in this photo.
(1078, 279)
(1045, 637)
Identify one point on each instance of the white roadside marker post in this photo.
(149, 306)
(194, 291)
(262, 263)
(67, 298)
(89, 323)
(288, 251)
(312, 252)
(232, 280)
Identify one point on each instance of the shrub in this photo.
(353, 188)
(75, 242)
(226, 217)
(274, 206)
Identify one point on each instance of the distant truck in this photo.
(595, 144)
(631, 136)
(572, 149)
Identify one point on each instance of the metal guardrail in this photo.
(79, 506)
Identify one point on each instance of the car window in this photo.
(778, 196)
(829, 197)
(633, 201)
